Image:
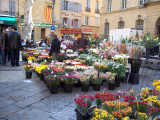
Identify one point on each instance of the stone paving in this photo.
(33, 101)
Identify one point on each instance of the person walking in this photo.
(3, 44)
(55, 48)
(15, 46)
(82, 42)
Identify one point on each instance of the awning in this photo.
(8, 20)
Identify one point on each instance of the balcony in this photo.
(10, 13)
(88, 9)
(96, 10)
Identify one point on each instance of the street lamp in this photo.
(53, 1)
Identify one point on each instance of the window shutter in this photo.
(88, 3)
(80, 8)
(62, 4)
(90, 21)
(69, 22)
(62, 22)
(13, 8)
(83, 20)
(70, 6)
(79, 23)
(10, 7)
(73, 23)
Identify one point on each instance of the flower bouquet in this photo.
(69, 80)
(111, 81)
(45, 72)
(102, 67)
(28, 70)
(71, 56)
(70, 68)
(83, 102)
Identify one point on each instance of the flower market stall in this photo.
(111, 62)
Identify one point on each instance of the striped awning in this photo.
(47, 14)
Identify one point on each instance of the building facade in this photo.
(138, 14)
(71, 18)
(91, 10)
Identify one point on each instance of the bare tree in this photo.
(28, 21)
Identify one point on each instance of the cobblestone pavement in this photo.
(33, 101)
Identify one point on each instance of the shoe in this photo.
(18, 65)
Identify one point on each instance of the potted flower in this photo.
(83, 102)
(45, 72)
(111, 81)
(81, 51)
(84, 79)
(28, 69)
(149, 42)
(96, 80)
(69, 80)
(53, 81)
(61, 57)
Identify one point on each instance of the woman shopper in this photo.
(55, 48)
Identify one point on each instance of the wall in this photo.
(4, 5)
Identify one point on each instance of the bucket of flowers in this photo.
(53, 81)
(28, 69)
(83, 102)
(61, 57)
(111, 81)
(69, 80)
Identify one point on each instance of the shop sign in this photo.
(85, 30)
(42, 25)
(68, 30)
(1, 22)
(71, 14)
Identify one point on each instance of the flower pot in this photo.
(85, 88)
(68, 88)
(47, 84)
(81, 117)
(41, 77)
(147, 53)
(38, 74)
(78, 84)
(28, 75)
(53, 89)
(97, 87)
(117, 81)
(44, 81)
(133, 78)
(135, 66)
(62, 84)
(111, 86)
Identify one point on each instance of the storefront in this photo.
(7, 22)
(73, 33)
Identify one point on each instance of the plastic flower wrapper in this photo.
(105, 76)
(121, 59)
(100, 114)
(111, 78)
(83, 77)
(95, 79)
(83, 102)
(28, 68)
(102, 67)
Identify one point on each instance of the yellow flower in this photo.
(158, 88)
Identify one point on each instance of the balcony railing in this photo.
(96, 10)
(11, 13)
(88, 9)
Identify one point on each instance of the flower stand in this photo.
(28, 75)
(68, 88)
(85, 88)
(81, 117)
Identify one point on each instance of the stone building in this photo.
(139, 14)
(91, 10)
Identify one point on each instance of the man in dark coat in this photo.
(3, 45)
(82, 42)
(15, 45)
(55, 48)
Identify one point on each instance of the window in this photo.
(66, 5)
(96, 21)
(97, 7)
(124, 4)
(121, 25)
(139, 24)
(76, 7)
(65, 22)
(49, 6)
(141, 2)
(86, 20)
(75, 23)
(109, 5)
(12, 8)
(106, 29)
(88, 5)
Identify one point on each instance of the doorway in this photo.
(43, 33)
(158, 27)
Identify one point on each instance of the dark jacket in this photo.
(55, 47)
(14, 40)
(82, 43)
(2, 41)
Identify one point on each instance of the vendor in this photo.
(55, 48)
